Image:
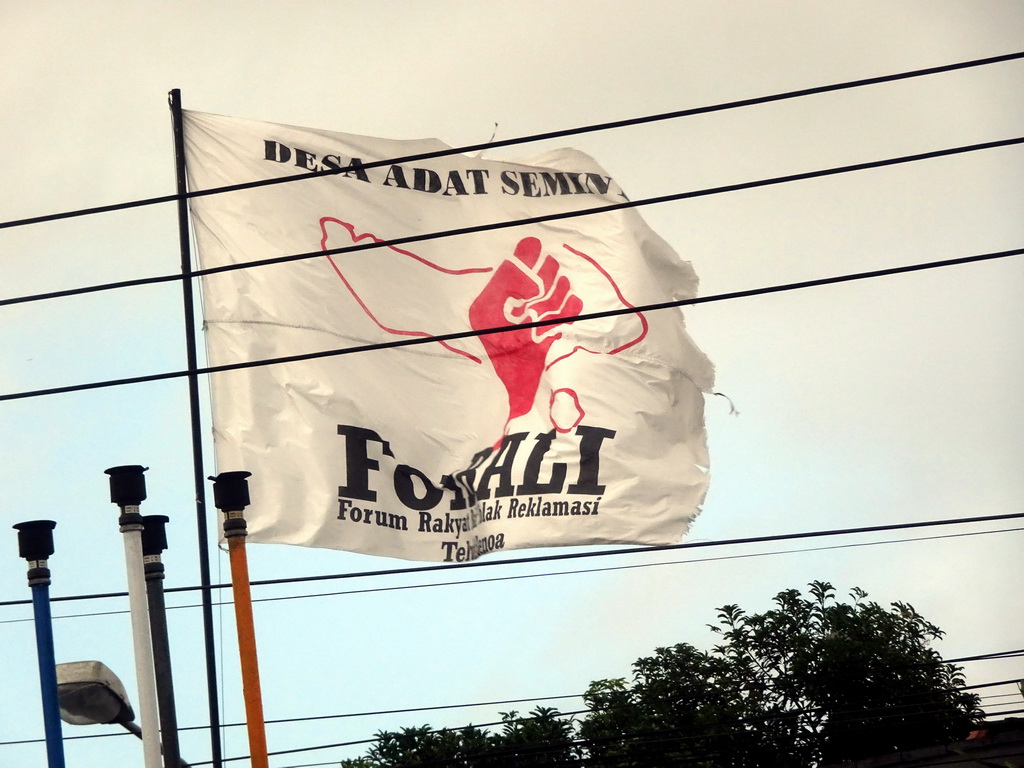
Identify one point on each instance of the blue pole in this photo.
(48, 675)
(35, 544)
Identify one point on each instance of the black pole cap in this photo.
(154, 535)
(231, 491)
(35, 539)
(127, 485)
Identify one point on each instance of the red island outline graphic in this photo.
(527, 286)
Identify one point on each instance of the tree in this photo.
(542, 738)
(812, 681)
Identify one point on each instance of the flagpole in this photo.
(231, 496)
(174, 101)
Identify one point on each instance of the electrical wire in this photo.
(506, 702)
(618, 206)
(991, 709)
(888, 714)
(633, 566)
(565, 556)
(564, 133)
(416, 341)
(537, 699)
(581, 571)
(534, 700)
(965, 659)
(628, 204)
(643, 738)
(440, 234)
(897, 712)
(1013, 681)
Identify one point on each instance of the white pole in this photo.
(145, 671)
(128, 490)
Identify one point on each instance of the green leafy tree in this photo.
(812, 681)
(544, 737)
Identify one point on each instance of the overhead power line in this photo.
(505, 702)
(517, 577)
(897, 712)
(634, 566)
(415, 341)
(492, 226)
(558, 134)
(688, 733)
(649, 201)
(453, 567)
(539, 699)
(646, 549)
(657, 200)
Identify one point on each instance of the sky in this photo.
(870, 403)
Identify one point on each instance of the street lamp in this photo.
(90, 694)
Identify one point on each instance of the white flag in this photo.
(581, 432)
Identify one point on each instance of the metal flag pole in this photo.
(127, 491)
(199, 484)
(154, 542)
(231, 496)
(35, 544)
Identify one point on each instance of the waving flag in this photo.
(581, 431)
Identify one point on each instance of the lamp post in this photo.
(35, 544)
(154, 542)
(127, 491)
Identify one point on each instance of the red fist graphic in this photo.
(525, 289)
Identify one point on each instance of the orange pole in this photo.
(246, 629)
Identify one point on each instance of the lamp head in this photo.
(89, 693)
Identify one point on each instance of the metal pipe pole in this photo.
(35, 544)
(154, 542)
(128, 490)
(135, 731)
(231, 496)
(192, 357)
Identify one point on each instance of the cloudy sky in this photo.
(870, 403)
